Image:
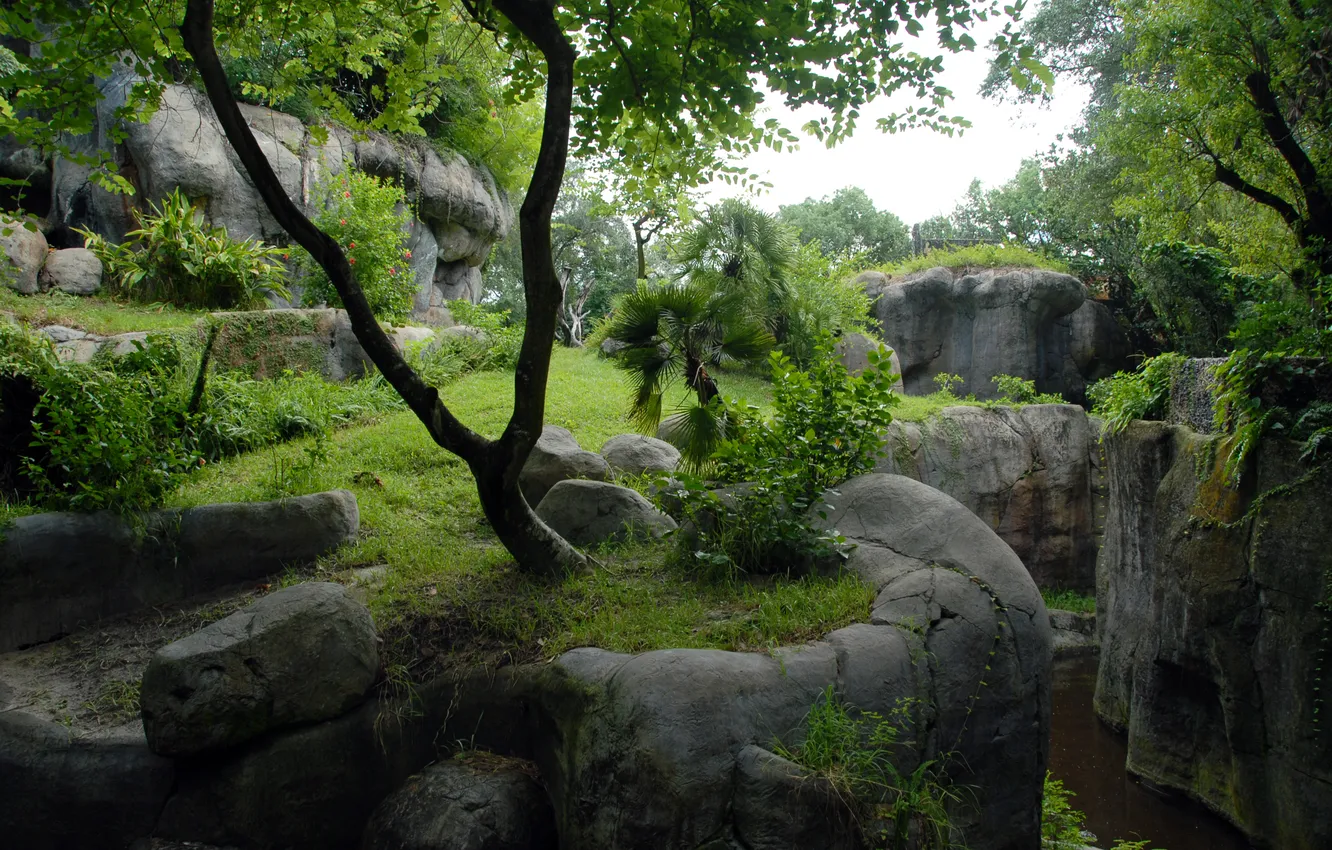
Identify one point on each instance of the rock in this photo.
(557, 457)
(457, 281)
(49, 585)
(63, 791)
(590, 512)
(993, 322)
(853, 350)
(438, 317)
(780, 805)
(1210, 632)
(455, 806)
(611, 347)
(1027, 472)
(302, 654)
(24, 251)
(76, 271)
(403, 337)
(60, 333)
(1193, 389)
(78, 350)
(126, 343)
(266, 343)
(635, 454)
(1074, 632)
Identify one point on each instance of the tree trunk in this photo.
(495, 464)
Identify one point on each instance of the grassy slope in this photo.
(451, 585)
(96, 315)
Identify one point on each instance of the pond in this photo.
(1089, 757)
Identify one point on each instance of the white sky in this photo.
(919, 173)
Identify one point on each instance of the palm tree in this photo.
(676, 332)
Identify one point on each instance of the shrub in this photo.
(1061, 824)
(1126, 396)
(1018, 391)
(175, 258)
(820, 299)
(978, 257)
(368, 217)
(1194, 292)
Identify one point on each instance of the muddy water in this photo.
(1089, 758)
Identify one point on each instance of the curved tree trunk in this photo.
(495, 464)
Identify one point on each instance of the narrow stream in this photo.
(1089, 758)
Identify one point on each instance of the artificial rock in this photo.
(635, 454)
(557, 457)
(590, 512)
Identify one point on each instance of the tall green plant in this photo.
(368, 218)
(175, 257)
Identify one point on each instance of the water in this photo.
(1089, 758)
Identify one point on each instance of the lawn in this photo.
(94, 314)
(449, 588)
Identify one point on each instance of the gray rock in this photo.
(993, 322)
(557, 457)
(853, 350)
(49, 584)
(77, 350)
(1193, 388)
(302, 654)
(780, 805)
(76, 271)
(454, 806)
(635, 454)
(126, 343)
(611, 347)
(457, 281)
(1074, 633)
(590, 512)
(1026, 472)
(24, 252)
(60, 333)
(404, 337)
(1210, 632)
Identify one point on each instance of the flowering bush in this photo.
(368, 217)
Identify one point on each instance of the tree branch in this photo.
(1283, 138)
(197, 33)
(1227, 176)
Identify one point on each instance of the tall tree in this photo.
(847, 222)
(683, 70)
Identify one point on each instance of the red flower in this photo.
(342, 221)
(351, 245)
(407, 254)
(202, 461)
(392, 270)
(346, 194)
(286, 256)
(351, 260)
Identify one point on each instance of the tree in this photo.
(593, 253)
(847, 222)
(685, 71)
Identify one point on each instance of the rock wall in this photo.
(459, 210)
(1210, 636)
(1031, 473)
(1031, 323)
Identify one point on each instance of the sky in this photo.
(919, 173)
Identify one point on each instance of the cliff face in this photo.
(1210, 635)
(460, 212)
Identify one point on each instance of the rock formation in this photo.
(1030, 323)
(587, 513)
(1212, 636)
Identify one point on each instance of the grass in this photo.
(978, 257)
(1068, 600)
(94, 314)
(451, 589)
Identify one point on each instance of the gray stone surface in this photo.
(1074, 633)
(455, 806)
(76, 271)
(23, 251)
(994, 322)
(635, 454)
(557, 457)
(853, 350)
(1027, 472)
(779, 805)
(1209, 631)
(60, 333)
(299, 655)
(590, 512)
(60, 571)
(1193, 393)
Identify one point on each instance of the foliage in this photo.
(1126, 396)
(978, 257)
(368, 217)
(847, 223)
(593, 250)
(1249, 404)
(174, 257)
(827, 426)
(855, 751)
(1061, 824)
(1018, 391)
(1068, 600)
(675, 332)
(1194, 292)
(451, 355)
(821, 300)
(95, 314)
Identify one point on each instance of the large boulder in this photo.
(994, 322)
(958, 630)
(459, 806)
(590, 512)
(76, 271)
(1027, 472)
(61, 571)
(302, 654)
(557, 457)
(1211, 630)
(853, 350)
(24, 252)
(635, 454)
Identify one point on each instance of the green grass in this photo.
(94, 314)
(978, 256)
(451, 586)
(1068, 600)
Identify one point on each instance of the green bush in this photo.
(369, 218)
(827, 426)
(820, 299)
(1018, 391)
(175, 258)
(978, 257)
(1061, 824)
(1144, 394)
(1195, 294)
